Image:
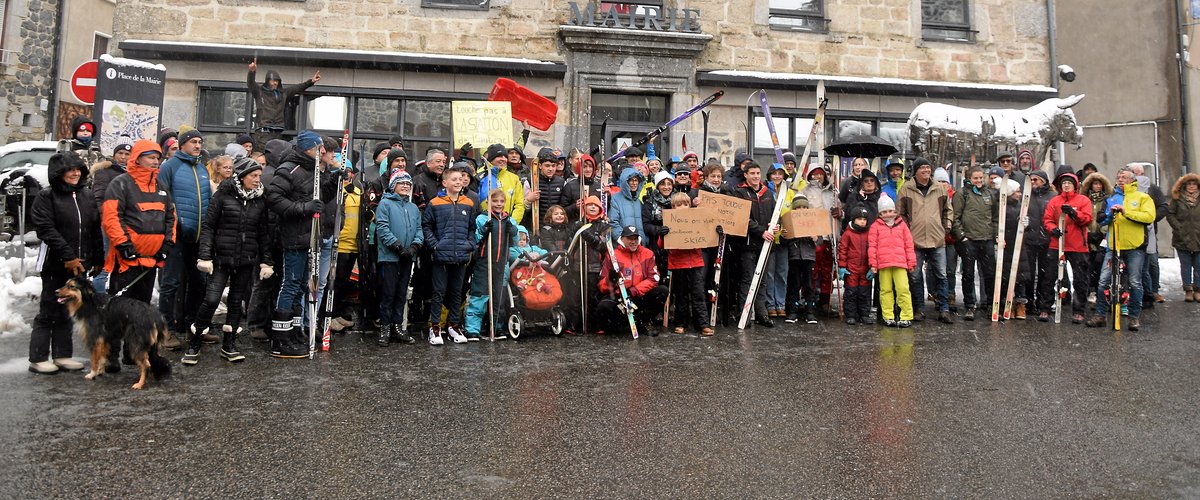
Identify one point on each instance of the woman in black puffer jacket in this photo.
(234, 244)
(68, 223)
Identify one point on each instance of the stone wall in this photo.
(25, 74)
(866, 37)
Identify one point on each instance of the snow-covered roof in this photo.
(876, 80)
(131, 63)
(13, 147)
(320, 50)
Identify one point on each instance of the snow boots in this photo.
(229, 349)
(192, 355)
(284, 331)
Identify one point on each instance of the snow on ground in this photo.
(18, 298)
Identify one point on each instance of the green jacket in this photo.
(976, 214)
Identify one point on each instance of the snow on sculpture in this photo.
(943, 132)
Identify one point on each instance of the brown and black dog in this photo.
(105, 322)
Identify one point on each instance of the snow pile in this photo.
(122, 62)
(18, 297)
(1043, 123)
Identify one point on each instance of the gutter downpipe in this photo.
(1052, 32)
(1181, 59)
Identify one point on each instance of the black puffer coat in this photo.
(290, 190)
(235, 231)
(66, 217)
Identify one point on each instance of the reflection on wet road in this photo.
(1020, 410)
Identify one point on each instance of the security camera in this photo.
(1066, 72)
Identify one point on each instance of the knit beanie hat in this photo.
(235, 151)
(399, 176)
(244, 166)
(189, 135)
(886, 203)
(395, 153)
(663, 175)
(494, 151)
(307, 140)
(940, 175)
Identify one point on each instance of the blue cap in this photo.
(307, 140)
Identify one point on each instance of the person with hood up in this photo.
(1035, 250)
(1183, 214)
(1097, 188)
(854, 268)
(625, 207)
(517, 163)
(866, 196)
(1076, 213)
(67, 222)
(652, 216)
(504, 179)
(235, 242)
(400, 235)
(736, 175)
(592, 235)
(925, 207)
(138, 217)
(290, 198)
(821, 194)
(262, 297)
(890, 252)
(577, 189)
(976, 215)
(181, 286)
(895, 178)
(1151, 271)
(270, 102)
(1127, 213)
(759, 231)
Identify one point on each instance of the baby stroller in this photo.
(534, 293)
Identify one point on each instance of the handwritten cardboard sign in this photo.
(690, 228)
(482, 122)
(732, 214)
(802, 222)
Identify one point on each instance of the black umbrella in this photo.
(863, 146)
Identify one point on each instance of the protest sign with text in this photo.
(482, 123)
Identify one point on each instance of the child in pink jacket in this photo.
(890, 251)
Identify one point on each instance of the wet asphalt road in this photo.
(1017, 410)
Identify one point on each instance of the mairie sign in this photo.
(635, 17)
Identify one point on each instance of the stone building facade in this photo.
(26, 68)
(636, 65)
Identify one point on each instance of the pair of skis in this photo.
(1060, 287)
(1000, 244)
(761, 265)
(327, 327)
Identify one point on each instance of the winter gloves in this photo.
(1069, 211)
(313, 206)
(205, 266)
(75, 266)
(843, 273)
(265, 271)
(127, 251)
(1056, 233)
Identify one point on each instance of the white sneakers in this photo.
(458, 338)
(436, 340)
(46, 367)
(68, 364)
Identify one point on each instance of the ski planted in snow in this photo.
(1060, 289)
(997, 290)
(327, 327)
(314, 262)
(1016, 257)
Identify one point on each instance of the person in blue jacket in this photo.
(180, 285)
(398, 229)
(625, 207)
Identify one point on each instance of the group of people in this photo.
(239, 228)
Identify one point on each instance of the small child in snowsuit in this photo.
(687, 275)
(524, 250)
(502, 230)
(892, 257)
(854, 267)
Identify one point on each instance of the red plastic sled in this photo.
(528, 106)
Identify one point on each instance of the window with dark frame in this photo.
(456, 4)
(798, 15)
(99, 45)
(946, 20)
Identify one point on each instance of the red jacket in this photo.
(641, 273)
(852, 255)
(891, 246)
(689, 258)
(1075, 230)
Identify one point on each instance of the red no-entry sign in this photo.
(83, 82)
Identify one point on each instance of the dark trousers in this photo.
(857, 302)
(341, 284)
(52, 326)
(647, 307)
(747, 260)
(262, 297)
(978, 256)
(1080, 263)
(181, 286)
(393, 290)
(1095, 264)
(447, 291)
(239, 280)
(687, 295)
(1043, 268)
